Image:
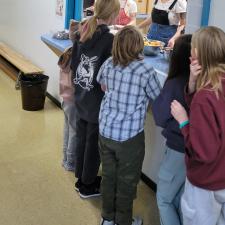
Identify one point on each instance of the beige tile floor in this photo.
(34, 188)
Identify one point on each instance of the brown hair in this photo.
(209, 43)
(180, 58)
(128, 46)
(103, 9)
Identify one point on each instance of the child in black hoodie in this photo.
(89, 53)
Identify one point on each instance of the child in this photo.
(203, 201)
(129, 86)
(66, 90)
(171, 177)
(88, 55)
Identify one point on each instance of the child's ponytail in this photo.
(89, 28)
(103, 10)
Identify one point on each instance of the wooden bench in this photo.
(24, 65)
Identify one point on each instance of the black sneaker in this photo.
(91, 190)
(78, 185)
(98, 181)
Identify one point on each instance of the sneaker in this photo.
(78, 185)
(137, 221)
(69, 167)
(89, 191)
(106, 222)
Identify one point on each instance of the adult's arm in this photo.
(180, 28)
(146, 22)
(133, 19)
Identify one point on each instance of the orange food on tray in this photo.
(152, 43)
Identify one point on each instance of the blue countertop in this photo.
(59, 44)
(160, 65)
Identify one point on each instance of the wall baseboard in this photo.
(149, 182)
(54, 100)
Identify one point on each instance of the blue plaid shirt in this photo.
(129, 90)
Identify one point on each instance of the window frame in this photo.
(74, 9)
(205, 12)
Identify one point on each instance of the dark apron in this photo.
(160, 28)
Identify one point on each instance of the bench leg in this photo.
(17, 86)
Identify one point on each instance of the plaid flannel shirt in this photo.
(129, 90)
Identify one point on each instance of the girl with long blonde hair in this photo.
(89, 53)
(203, 201)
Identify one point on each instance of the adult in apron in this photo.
(160, 28)
(123, 19)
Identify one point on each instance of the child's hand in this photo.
(195, 70)
(171, 42)
(103, 87)
(178, 111)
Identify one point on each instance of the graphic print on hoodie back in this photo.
(87, 59)
(85, 72)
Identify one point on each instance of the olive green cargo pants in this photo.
(121, 170)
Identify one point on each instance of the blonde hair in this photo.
(128, 46)
(210, 45)
(103, 9)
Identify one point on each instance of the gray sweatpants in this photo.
(202, 207)
(69, 135)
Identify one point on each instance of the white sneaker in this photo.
(106, 222)
(137, 221)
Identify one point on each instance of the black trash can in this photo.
(33, 91)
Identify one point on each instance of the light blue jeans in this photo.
(69, 135)
(170, 187)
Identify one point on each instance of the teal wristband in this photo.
(183, 124)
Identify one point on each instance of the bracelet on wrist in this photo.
(183, 124)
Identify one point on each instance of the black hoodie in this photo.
(87, 59)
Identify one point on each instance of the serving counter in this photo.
(153, 138)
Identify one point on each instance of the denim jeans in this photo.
(161, 32)
(170, 186)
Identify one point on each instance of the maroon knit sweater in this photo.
(205, 140)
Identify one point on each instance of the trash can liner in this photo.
(33, 91)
